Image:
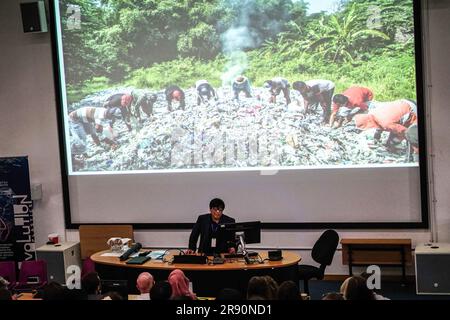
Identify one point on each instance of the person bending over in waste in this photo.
(204, 92)
(352, 101)
(241, 84)
(175, 93)
(315, 92)
(141, 100)
(121, 101)
(275, 86)
(395, 117)
(93, 121)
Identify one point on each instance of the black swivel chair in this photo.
(322, 252)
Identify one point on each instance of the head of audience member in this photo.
(180, 284)
(264, 287)
(180, 298)
(144, 282)
(355, 288)
(53, 291)
(377, 296)
(256, 297)
(216, 207)
(5, 294)
(90, 283)
(333, 296)
(288, 290)
(75, 294)
(229, 294)
(112, 295)
(161, 290)
(3, 283)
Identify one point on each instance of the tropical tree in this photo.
(78, 24)
(392, 17)
(336, 38)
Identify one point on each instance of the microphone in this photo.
(134, 248)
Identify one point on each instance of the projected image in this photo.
(164, 84)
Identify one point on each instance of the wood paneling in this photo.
(376, 251)
(93, 238)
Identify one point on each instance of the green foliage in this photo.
(390, 77)
(337, 39)
(79, 56)
(76, 93)
(392, 17)
(200, 41)
(183, 72)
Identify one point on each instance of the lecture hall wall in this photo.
(28, 126)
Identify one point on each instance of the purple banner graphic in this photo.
(16, 211)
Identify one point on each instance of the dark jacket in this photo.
(203, 228)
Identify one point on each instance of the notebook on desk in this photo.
(138, 260)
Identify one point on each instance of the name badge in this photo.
(213, 242)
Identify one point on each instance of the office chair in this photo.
(322, 253)
(88, 267)
(32, 275)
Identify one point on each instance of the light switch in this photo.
(36, 191)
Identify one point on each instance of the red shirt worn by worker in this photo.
(357, 98)
(395, 116)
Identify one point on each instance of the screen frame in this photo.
(423, 155)
(247, 227)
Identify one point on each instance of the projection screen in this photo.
(296, 113)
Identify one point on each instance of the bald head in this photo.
(144, 282)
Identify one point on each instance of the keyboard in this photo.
(233, 256)
(240, 255)
(190, 259)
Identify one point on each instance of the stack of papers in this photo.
(157, 255)
(117, 254)
(111, 254)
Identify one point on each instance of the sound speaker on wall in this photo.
(33, 16)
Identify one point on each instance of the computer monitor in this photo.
(245, 232)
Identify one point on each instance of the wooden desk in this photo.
(27, 296)
(207, 279)
(381, 252)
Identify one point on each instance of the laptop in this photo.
(119, 286)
